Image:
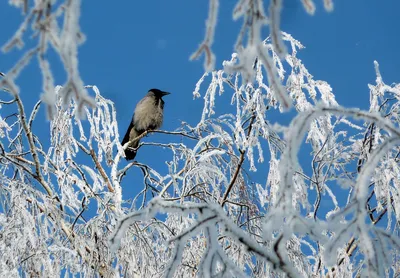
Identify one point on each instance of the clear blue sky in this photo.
(133, 46)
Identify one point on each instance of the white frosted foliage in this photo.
(235, 194)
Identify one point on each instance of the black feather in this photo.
(129, 152)
(126, 137)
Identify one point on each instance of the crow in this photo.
(148, 115)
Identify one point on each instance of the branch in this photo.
(101, 171)
(205, 46)
(241, 160)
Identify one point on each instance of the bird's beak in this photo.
(165, 93)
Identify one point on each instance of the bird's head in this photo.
(157, 93)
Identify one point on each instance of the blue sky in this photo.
(133, 46)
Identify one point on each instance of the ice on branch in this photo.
(44, 18)
(251, 50)
(205, 46)
(239, 193)
(298, 206)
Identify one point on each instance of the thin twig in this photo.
(101, 171)
(241, 160)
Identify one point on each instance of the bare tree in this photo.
(333, 213)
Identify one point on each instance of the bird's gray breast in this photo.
(148, 114)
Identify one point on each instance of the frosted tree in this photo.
(333, 212)
(43, 18)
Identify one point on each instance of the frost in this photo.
(292, 209)
(63, 39)
(324, 202)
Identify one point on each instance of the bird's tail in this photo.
(130, 153)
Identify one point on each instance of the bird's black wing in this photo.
(126, 137)
(129, 153)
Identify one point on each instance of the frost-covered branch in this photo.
(44, 17)
(239, 195)
(282, 216)
(210, 218)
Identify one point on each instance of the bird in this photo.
(148, 115)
